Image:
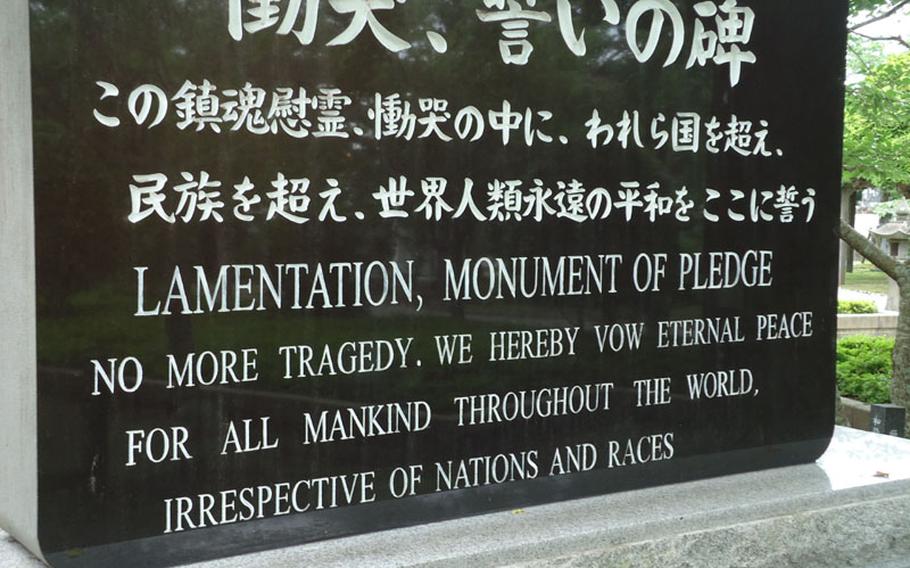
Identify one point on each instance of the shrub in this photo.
(864, 368)
(856, 307)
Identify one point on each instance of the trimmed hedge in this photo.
(864, 368)
(856, 307)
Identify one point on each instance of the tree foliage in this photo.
(877, 150)
(877, 122)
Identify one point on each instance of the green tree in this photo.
(865, 54)
(877, 127)
(877, 150)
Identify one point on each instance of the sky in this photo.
(897, 25)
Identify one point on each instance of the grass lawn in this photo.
(867, 278)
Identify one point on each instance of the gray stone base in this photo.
(881, 324)
(852, 508)
(856, 414)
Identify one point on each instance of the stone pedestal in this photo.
(849, 509)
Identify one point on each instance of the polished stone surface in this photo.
(129, 250)
(848, 509)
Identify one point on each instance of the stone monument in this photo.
(279, 271)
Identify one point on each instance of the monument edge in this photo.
(18, 341)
